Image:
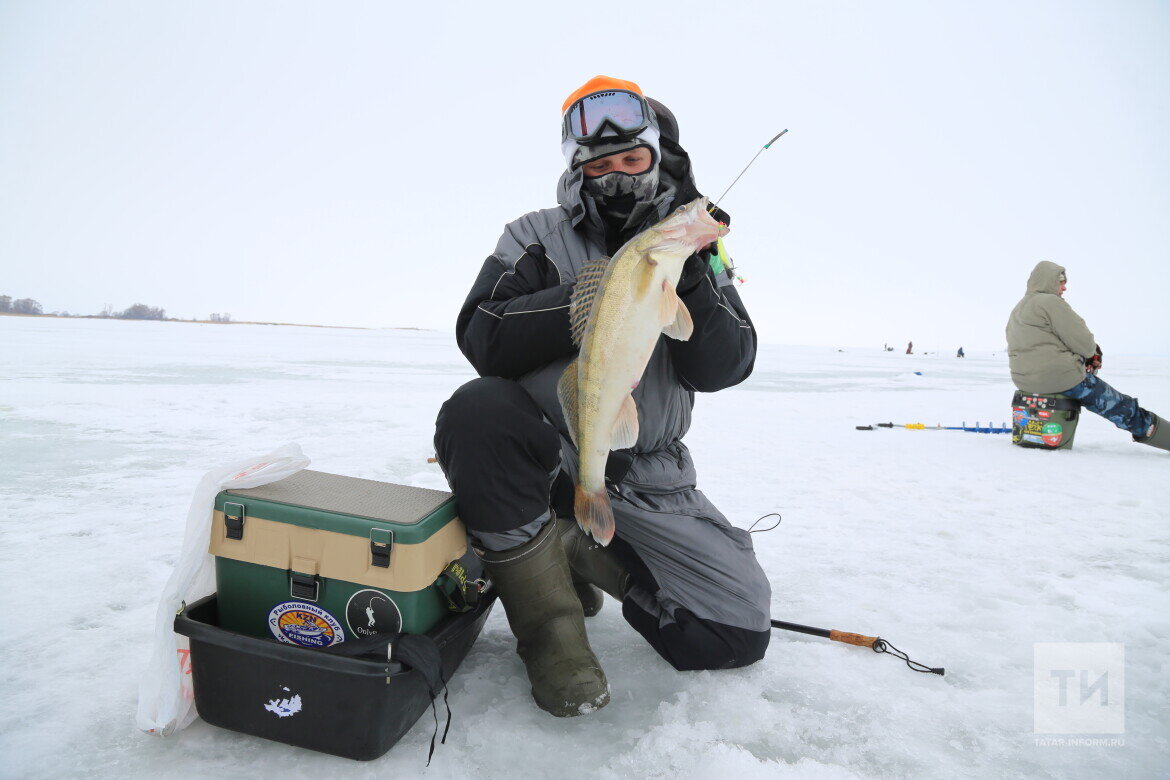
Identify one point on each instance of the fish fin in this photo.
(625, 427)
(594, 514)
(674, 314)
(584, 292)
(567, 395)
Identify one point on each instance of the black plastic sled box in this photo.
(352, 707)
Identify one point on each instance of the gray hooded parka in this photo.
(1048, 342)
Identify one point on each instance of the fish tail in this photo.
(594, 514)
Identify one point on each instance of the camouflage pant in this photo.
(1122, 410)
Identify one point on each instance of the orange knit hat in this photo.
(577, 152)
(600, 84)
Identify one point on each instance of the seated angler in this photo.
(1051, 350)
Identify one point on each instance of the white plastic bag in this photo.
(165, 696)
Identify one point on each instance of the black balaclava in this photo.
(617, 194)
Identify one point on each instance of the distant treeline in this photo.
(19, 306)
(139, 311)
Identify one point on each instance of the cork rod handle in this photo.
(852, 639)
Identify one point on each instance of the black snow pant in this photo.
(502, 461)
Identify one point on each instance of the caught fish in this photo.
(619, 309)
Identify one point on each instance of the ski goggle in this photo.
(626, 113)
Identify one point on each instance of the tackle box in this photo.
(1046, 421)
(316, 558)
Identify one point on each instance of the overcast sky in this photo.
(354, 163)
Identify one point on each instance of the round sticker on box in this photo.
(371, 612)
(304, 624)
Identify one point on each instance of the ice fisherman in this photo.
(1051, 350)
(688, 581)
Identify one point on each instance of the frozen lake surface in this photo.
(958, 548)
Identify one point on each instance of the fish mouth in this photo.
(691, 235)
(691, 225)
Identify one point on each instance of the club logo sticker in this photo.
(1053, 433)
(371, 612)
(304, 624)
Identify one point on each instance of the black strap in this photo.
(1051, 401)
(420, 653)
(416, 651)
(367, 645)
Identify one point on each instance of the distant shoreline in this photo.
(199, 322)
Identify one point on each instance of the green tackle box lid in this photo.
(346, 505)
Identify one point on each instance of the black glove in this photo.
(697, 265)
(1093, 364)
(694, 269)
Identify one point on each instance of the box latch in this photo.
(303, 586)
(381, 542)
(233, 520)
(303, 582)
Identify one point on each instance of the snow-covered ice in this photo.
(960, 549)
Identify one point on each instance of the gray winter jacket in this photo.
(515, 324)
(1048, 342)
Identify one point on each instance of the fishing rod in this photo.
(977, 428)
(875, 643)
(741, 173)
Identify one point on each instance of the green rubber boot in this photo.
(536, 589)
(1160, 438)
(596, 570)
